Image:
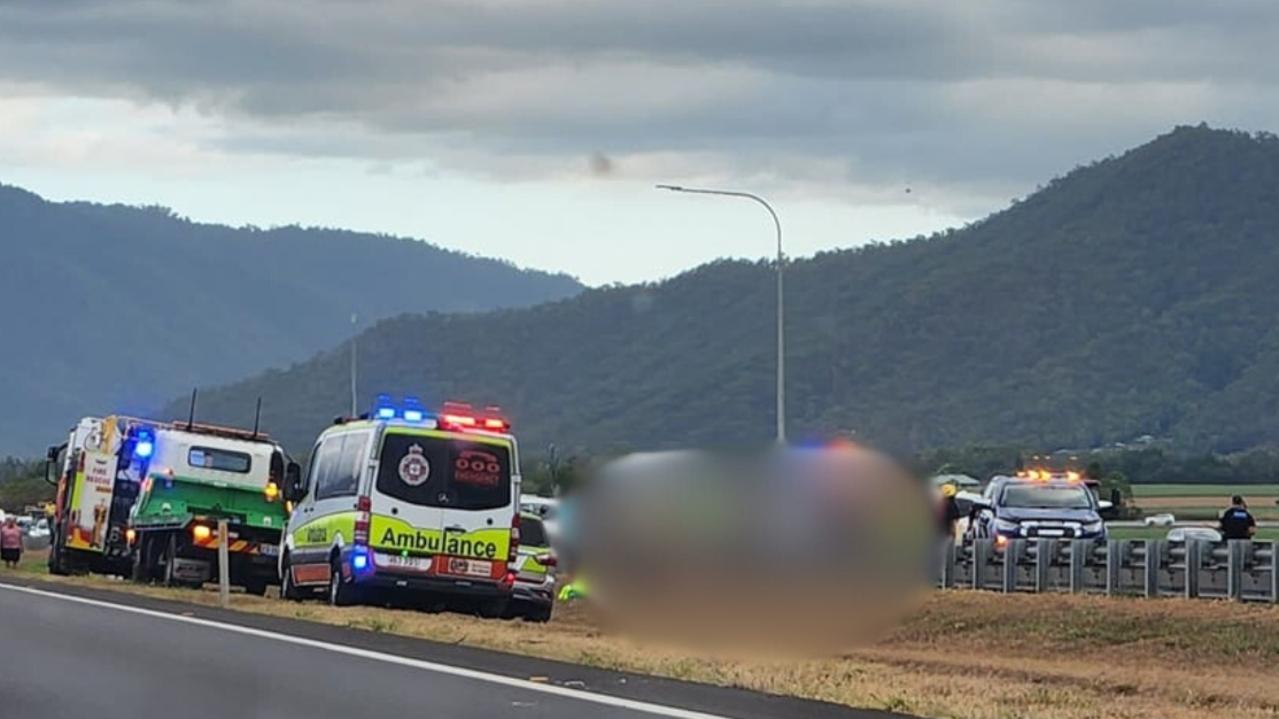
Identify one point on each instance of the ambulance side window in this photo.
(339, 473)
(322, 461)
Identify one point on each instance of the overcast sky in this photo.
(534, 129)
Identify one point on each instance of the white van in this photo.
(407, 504)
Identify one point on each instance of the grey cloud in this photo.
(984, 93)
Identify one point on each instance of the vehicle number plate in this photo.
(470, 567)
(268, 550)
(1051, 532)
(395, 561)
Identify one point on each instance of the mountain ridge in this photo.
(1129, 296)
(118, 307)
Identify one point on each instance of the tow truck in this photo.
(199, 474)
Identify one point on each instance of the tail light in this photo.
(513, 553)
(361, 534)
(272, 491)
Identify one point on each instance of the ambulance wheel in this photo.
(288, 591)
(341, 593)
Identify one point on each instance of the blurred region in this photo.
(781, 549)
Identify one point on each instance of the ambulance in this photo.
(408, 505)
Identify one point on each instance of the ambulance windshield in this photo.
(445, 472)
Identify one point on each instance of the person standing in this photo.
(1237, 521)
(11, 543)
(948, 513)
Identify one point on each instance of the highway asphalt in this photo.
(77, 652)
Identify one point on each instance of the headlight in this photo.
(1004, 525)
(1095, 526)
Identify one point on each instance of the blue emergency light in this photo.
(384, 407)
(413, 411)
(144, 443)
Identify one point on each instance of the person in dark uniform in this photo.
(1237, 521)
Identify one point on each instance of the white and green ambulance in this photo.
(408, 506)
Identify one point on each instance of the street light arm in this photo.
(734, 193)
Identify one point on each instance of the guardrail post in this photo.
(1274, 574)
(1114, 559)
(981, 555)
(1012, 550)
(224, 565)
(948, 564)
(1045, 550)
(1194, 564)
(1079, 550)
(1234, 571)
(1151, 573)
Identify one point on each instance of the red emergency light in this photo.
(460, 415)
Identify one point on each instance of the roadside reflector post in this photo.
(224, 569)
(1194, 564)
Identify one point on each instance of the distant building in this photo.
(959, 480)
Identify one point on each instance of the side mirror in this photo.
(1105, 505)
(51, 461)
(293, 489)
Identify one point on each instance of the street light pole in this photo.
(355, 412)
(781, 315)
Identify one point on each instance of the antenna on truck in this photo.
(191, 415)
(257, 418)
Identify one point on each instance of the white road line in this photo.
(578, 694)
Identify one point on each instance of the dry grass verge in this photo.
(963, 654)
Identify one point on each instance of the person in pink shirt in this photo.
(11, 543)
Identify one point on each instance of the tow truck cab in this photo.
(409, 503)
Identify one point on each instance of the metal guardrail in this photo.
(1236, 569)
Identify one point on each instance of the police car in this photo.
(1038, 504)
(403, 503)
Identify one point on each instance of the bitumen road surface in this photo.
(77, 652)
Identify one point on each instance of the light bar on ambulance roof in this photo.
(459, 415)
(412, 410)
(384, 408)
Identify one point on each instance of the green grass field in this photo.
(1263, 533)
(1204, 490)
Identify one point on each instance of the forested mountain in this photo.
(1136, 295)
(121, 308)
